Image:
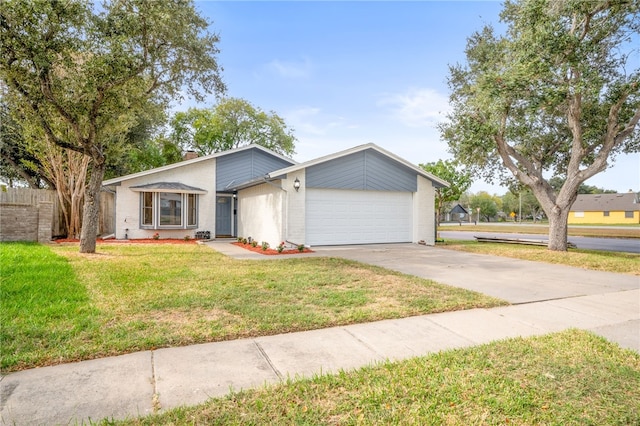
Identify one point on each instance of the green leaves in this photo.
(556, 94)
(86, 73)
(459, 181)
(232, 123)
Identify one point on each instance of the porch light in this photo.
(296, 184)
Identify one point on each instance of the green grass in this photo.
(568, 378)
(59, 305)
(43, 304)
(625, 263)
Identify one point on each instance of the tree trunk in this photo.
(91, 213)
(558, 228)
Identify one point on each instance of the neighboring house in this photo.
(358, 196)
(605, 208)
(458, 214)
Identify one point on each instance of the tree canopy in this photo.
(231, 123)
(458, 180)
(557, 95)
(488, 204)
(84, 72)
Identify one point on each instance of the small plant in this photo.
(300, 248)
(187, 237)
(240, 239)
(156, 236)
(254, 243)
(280, 247)
(265, 245)
(244, 241)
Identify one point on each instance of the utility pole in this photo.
(520, 207)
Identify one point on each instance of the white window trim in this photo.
(184, 211)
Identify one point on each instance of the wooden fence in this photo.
(33, 197)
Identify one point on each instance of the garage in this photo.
(335, 217)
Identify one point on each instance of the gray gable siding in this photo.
(245, 165)
(366, 170)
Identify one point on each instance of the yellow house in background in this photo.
(605, 208)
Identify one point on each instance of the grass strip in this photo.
(628, 231)
(568, 378)
(596, 260)
(129, 298)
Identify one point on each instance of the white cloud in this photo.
(305, 120)
(291, 69)
(312, 121)
(417, 107)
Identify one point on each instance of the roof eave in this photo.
(143, 173)
(438, 183)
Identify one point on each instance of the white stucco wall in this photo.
(295, 231)
(424, 212)
(200, 175)
(260, 213)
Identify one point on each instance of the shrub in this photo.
(300, 248)
(280, 247)
(265, 245)
(254, 243)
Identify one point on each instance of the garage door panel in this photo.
(358, 217)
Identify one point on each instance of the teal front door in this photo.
(223, 217)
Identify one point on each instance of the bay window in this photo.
(170, 210)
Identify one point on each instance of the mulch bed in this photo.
(137, 241)
(270, 251)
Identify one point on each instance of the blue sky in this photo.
(348, 73)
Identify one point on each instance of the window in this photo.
(628, 215)
(192, 210)
(168, 210)
(147, 209)
(578, 214)
(606, 213)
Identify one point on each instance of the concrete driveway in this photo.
(517, 281)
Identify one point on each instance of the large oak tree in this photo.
(557, 95)
(85, 71)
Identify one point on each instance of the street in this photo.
(627, 245)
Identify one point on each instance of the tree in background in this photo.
(559, 93)
(489, 205)
(17, 164)
(557, 182)
(522, 202)
(86, 72)
(232, 123)
(459, 182)
(155, 152)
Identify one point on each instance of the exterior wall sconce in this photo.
(296, 184)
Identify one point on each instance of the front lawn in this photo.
(59, 305)
(568, 378)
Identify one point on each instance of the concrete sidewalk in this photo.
(137, 384)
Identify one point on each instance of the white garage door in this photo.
(358, 217)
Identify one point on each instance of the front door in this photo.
(223, 216)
